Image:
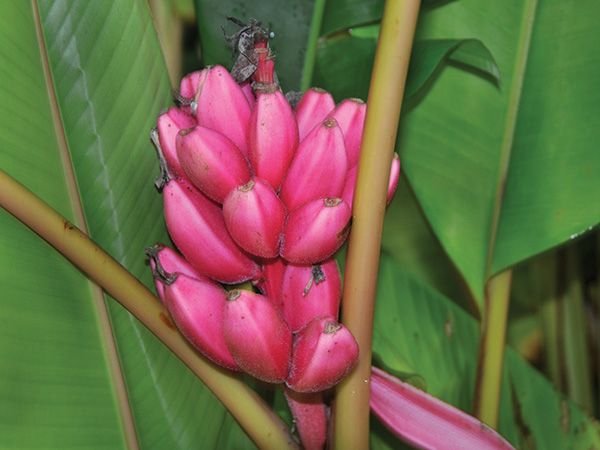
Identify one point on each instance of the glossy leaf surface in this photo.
(107, 82)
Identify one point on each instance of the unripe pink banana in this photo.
(324, 352)
(350, 184)
(312, 109)
(315, 231)
(222, 106)
(211, 161)
(350, 115)
(167, 260)
(188, 86)
(319, 167)
(257, 336)
(271, 281)
(309, 292)
(310, 417)
(198, 230)
(168, 126)
(197, 307)
(248, 93)
(254, 217)
(272, 136)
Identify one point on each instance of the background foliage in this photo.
(497, 146)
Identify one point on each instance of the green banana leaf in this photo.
(81, 85)
(506, 171)
(426, 339)
(513, 174)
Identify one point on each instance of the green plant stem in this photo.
(351, 405)
(575, 358)
(256, 418)
(311, 45)
(491, 348)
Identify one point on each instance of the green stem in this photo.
(550, 313)
(574, 345)
(311, 45)
(491, 348)
(262, 425)
(351, 405)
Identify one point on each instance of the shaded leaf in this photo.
(352, 52)
(421, 333)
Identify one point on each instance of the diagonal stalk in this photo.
(351, 407)
(260, 423)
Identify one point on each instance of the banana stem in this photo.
(311, 46)
(351, 404)
(256, 418)
(576, 352)
(491, 349)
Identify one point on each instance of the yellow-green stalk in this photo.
(351, 406)
(261, 424)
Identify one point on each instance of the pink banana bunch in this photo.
(257, 191)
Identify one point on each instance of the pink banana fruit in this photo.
(248, 93)
(211, 161)
(310, 417)
(309, 292)
(426, 422)
(315, 231)
(168, 126)
(198, 230)
(254, 217)
(313, 108)
(197, 307)
(324, 352)
(272, 136)
(271, 281)
(164, 261)
(319, 167)
(222, 106)
(394, 177)
(350, 115)
(188, 86)
(257, 336)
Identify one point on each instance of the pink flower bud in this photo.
(197, 307)
(257, 336)
(272, 137)
(350, 115)
(312, 109)
(171, 262)
(432, 423)
(350, 184)
(222, 106)
(309, 292)
(310, 417)
(254, 217)
(319, 167)
(324, 352)
(168, 126)
(315, 231)
(198, 230)
(211, 161)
